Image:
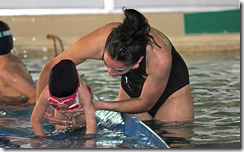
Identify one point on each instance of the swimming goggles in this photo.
(6, 33)
(70, 100)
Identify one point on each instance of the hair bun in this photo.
(135, 26)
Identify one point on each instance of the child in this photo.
(65, 90)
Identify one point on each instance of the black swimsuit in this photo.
(132, 82)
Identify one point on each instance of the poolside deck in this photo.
(207, 43)
(212, 44)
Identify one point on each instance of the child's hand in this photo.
(90, 144)
(35, 143)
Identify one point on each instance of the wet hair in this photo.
(63, 79)
(128, 42)
(6, 40)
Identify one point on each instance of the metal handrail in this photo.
(54, 37)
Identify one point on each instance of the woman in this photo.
(154, 78)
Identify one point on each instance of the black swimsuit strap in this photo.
(103, 54)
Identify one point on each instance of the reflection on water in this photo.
(114, 130)
(175, 134)
(215, 84)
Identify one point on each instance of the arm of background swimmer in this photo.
(12, 78)
(38, 113)
(90, 46)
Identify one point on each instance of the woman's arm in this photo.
(151, 91)
(38, 112)
(90, 46)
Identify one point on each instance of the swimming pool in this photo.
(215, 84)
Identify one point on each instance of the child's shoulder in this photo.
(83, 85)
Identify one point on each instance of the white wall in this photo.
(26, 4)
(42, 7)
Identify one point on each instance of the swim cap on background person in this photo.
(63, 79)
(6, 38)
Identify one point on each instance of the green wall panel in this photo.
(212, 22)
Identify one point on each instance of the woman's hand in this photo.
(49, 116)
(96, 104)
(99, 104)
(73, 112)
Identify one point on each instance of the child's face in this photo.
(65, 103)
(62, 106)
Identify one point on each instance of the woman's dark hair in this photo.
(127, 42)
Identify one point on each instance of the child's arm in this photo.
(38, 113)
(89, 109)
(90, 118)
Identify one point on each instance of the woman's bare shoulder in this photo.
(112, 25)
(108, 27)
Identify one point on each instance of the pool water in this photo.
(114, 130)
(215, 85)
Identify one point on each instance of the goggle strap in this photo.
(54, 99)
(77, 101)
(6, 33)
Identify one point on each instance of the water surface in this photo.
(215, 85)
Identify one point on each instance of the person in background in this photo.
(16, 84)
(65, 90)
(154, 77)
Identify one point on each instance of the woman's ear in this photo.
(141, 58)
(138, 63)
